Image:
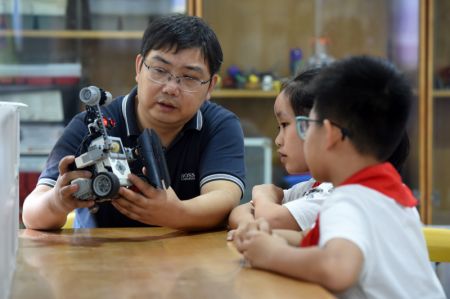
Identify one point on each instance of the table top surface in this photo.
(143, 263)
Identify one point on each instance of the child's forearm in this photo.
(332, 268)
(278, 216)
(267, 193)
(305, 264)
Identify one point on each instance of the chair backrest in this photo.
(438, 243)
(69, 221)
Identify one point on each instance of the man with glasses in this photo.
(176, 71)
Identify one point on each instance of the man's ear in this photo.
(212, 84)
(333, 134)
(138, 65)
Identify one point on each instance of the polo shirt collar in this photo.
(196, 122)
(129, 114)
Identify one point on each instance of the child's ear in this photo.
(333, 134)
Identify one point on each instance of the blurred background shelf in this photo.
(243, 93)
(75, 34)
(441, 93)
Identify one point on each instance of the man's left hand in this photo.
(150, 205)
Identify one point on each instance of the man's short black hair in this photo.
(370, 98)
(180, 32)
(301, 99)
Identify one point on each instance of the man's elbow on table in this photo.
(37, 212)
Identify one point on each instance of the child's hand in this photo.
(243, 230)
(260, 249)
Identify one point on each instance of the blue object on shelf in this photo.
(295, 59)
(291, 180)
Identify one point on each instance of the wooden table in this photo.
(142, 263)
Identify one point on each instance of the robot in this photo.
(107, 158)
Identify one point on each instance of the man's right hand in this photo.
(47, 207)
(64, 200)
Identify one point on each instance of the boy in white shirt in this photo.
(367, 241)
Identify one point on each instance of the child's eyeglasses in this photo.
(302, 123)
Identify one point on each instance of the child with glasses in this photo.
(297, 207)
(367, 241)
(175, 73)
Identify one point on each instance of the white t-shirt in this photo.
(303, 201)
(396, 263)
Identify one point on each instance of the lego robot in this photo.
(107, 158)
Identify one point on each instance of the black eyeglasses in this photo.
(162, 76)
(302, 125)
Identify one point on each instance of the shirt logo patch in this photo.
(190, 176)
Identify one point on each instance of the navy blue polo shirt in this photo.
(209, 147)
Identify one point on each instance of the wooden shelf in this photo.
(76, 34)
(243, 93)
(441, 93)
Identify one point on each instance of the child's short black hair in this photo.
(369, 98)
(401, 152)
(178, 32)
(301, 99)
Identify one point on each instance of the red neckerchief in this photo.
(316, 184)
(382, 178)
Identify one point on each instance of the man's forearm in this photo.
(241, 214)
(202, 213)
(208, 210)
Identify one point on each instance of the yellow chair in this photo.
(69, 221)
(438, 243)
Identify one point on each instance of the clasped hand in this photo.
(257, 243)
